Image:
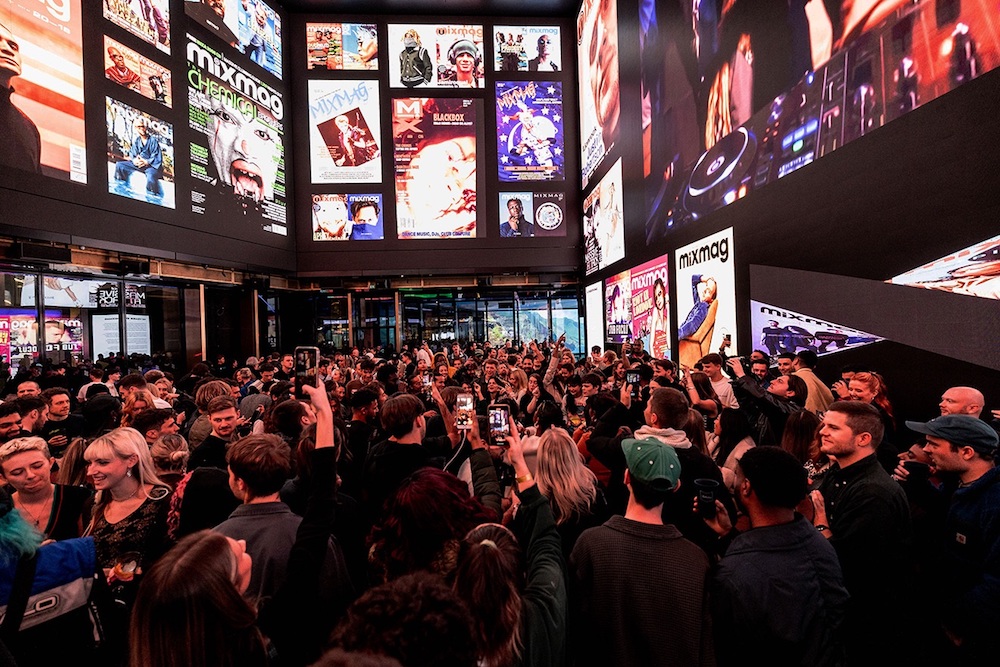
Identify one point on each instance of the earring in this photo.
(128, 473)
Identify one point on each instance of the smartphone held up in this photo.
(306, 369)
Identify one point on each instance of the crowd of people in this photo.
(624, 511)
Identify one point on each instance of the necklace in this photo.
(36, 519)
(129, 497)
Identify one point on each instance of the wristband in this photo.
(524, 478)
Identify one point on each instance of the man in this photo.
(360, 435)
(245, 153)
(762, 373)
(355, 149)
(145, 155)
(591, 384)
(785, 361)
(665, 374)
(224, 418)
(96, 375)
(641, 587)
(778, 594)
(119, 72)
(819, 396)
(28, 388)
(711, 364)
(154, 423)
(962, 401)
(267, 372)
(967, 582)
(367, 222)
(34, 412)
(543, 61)
(20, 142)
(866, 517)
(286, 370)
(10, 422)
(61, 426)
(768, 409)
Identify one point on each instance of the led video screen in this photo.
(603, 222)
(45, 133)
(972, 271)
(134, 71)
(520, 48)
(593, 299)
(530, 141)
(706, 297)
(149, 20)
(252, 27)
(347, 217)
(434, 152)
(532, 214)
(237, 162)
(345, 134)
(435, 56)
(618, 309)
(140, 155)
(342, 46)
(597, 48)
(650, 291)
(777, 330)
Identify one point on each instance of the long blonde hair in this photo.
(563, 477)
(122, 443)
(129, 410)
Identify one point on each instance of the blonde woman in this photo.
(518, 383)
(136, 402)
(57, 511)
(170, 454)
(572, 488)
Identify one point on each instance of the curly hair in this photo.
(422, 524)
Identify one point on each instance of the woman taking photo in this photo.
(730, 440)
(701, 394)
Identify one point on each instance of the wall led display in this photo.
(706, 296)
(532, 214)
(344, 131)
(434, 152)
(343, 217)
(134, 71)
(520, 48)
(149, 20)
(777, 330)
(46, 133)
(597, 50)
(140, 155)
(618, 308)
(252, 27)
(238, 161)
(603, 222)
(435, 56)
(593, 299)
(530, 142)
(649, 286)
(342, 46)
(973, 271)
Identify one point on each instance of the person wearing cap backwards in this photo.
(969, 579)
(639, 585)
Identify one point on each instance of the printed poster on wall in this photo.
(650, 285)
(140, 155)
(434, 153)
(618, 309)
(597, 49)
(435, 56)
(343, 217)
(252, 27)
(521, 48)
(238, 160)
(345, 133)
(342, 46)
(603, 222)
(530, 141)
(130, 69)
(45, 133)
(706, 297)
(778, 330)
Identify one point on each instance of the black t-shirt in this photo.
(211, 453)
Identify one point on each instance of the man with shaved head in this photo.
(962, 401)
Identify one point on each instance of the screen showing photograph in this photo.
(252, 27)
(603, 222)
(706, 297)
(44, 131)
(237, 162)
(342, 46)
(550, 213)
(346, 217)
(344, 131)
(530, 142)
(618, 309)
(149, 20)
(130, 69)
(597, 49)
(435, 56)
(434, 152)
(651, 307)
(973, 271)
(521, 48)
(778, 330)
(140, 155)
(594, 321)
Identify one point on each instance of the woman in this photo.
(801, 439)
(518, 384)
(573, 404)
(170, 455)
(659, 321)
(871, 388)
(516, 594)
(694, 428)
(701, 394)
(731, 439)
(572, 488)
(533, 397)
(56, 511)
(190, 609)
(137, 401)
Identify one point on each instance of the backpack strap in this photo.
(20, 591)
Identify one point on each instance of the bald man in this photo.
(962, 401)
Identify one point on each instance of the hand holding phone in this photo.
(465, 408)
(306, 369)
(499, 420)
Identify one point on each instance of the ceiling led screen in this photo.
(252, 27)
(45, 134)
(435, 56)
(597, 48)
(706, 296)
(522, 48)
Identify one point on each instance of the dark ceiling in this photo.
(554, 8)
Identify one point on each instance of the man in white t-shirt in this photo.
(711, 364)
